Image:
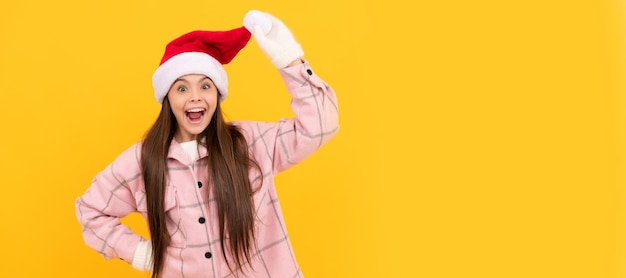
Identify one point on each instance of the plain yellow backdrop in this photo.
(478, 138)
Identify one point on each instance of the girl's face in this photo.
(193, 99)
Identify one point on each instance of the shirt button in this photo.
(309, 71)
(208, 255)
(199, 184)
(201, 220)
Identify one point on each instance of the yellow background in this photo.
(479, 138)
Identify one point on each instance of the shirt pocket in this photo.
(172, 213)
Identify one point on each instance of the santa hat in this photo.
(199, 52)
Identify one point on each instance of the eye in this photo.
(181, 89)
(206, 86)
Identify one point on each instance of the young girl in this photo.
(205, 186)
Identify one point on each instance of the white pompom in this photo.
(257, 18)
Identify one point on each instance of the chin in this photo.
(197, 130)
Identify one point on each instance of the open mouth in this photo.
(195, 115)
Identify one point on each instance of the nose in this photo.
(195, 95)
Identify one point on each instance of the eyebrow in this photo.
(186, 81)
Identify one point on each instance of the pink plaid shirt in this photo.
(192, 222)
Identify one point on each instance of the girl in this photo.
(205, 186)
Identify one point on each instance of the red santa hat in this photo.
(199, 52)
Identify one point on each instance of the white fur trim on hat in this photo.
(189, 63)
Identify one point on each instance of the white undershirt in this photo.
(191, 150)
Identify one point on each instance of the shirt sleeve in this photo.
(110, 197)
(289, 141)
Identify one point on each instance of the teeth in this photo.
(195, 110)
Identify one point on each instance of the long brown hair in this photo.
(229, 164)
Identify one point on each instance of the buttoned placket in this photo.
(202, 220)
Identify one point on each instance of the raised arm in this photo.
(314, 102)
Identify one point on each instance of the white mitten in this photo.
(273, 37)
(142, 260)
